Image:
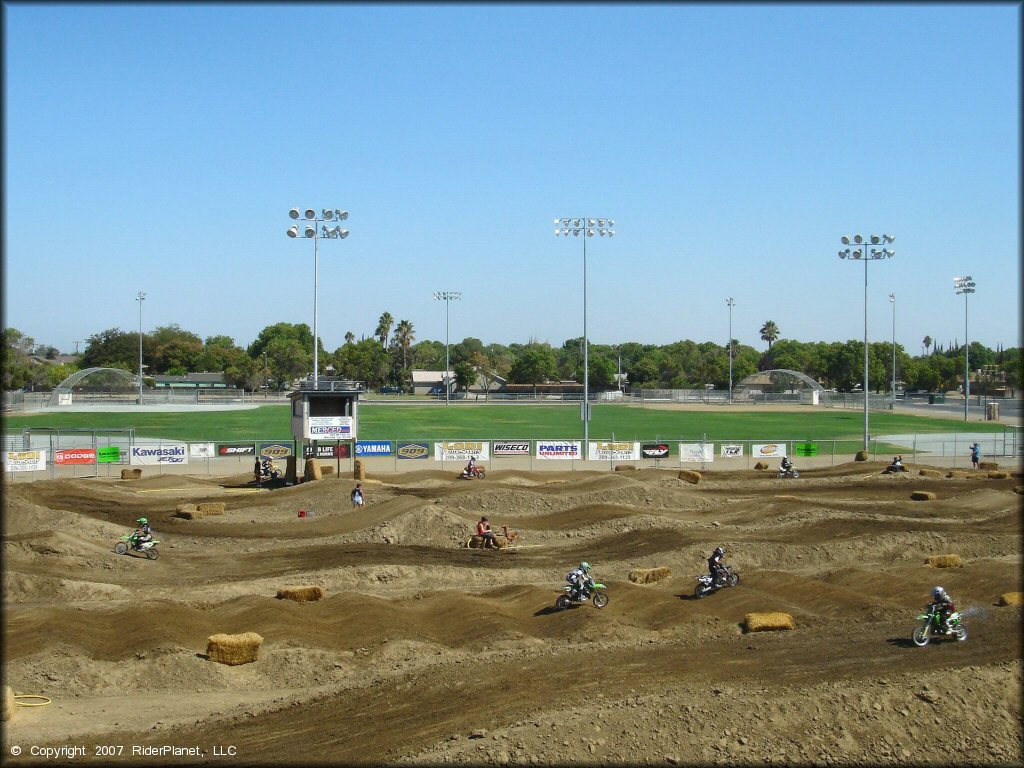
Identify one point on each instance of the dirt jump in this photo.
(381, 636)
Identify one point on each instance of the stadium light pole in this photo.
(862, 253)
(446, 297)
(588, 228)
(892, 299)
(141, 297)
(730, 303)
(965, 285)
(311, 231)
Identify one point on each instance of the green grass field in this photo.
(512, 422)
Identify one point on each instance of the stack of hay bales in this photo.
(625, 467)
(923, 496)
(689, 476)
(861, 456)
(988, 465)
(761, 466)
(998, 474)
(326, 470)
(929, 473)
(211, 508)
(234, 649)
(301, 594)
(312, 471)
(187, 511)
(133, 473)
(1011, 598)
(768, 622)
(649, 575)
(358, 471)
(945, 561)
(957, 473)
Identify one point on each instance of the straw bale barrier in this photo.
(649, 575)
(8, 702)
(862, 455)
(945, 561)
(1007, 598)
(211, 507)
(625, 467)
(922, 496)
(312, 471)
(689, 476)
(187, 511)
(761, 466)
(131, 473)
(957, 473)
(929, 473)
(358, 470)
(477, 542)
(301, 594)
(326, 470)
(1019, 490)
(988, 465)
(998, 474)
(768, 622)
(234, 649)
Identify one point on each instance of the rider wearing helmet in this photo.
(785, 464)
(579, 577)
(943, 603)
(715, 566)
(142, 534)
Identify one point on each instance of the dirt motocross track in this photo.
(425, 652)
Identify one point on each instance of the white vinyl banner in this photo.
(704, 452)
(461, 450)
(613, 451)
(768, 450)
(331, 428)
(201, 450)
(559, 449)
(732, 450)
(24, 461)
(162, 453)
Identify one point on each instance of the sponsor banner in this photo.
(236, 449)
(201, 450)
(559, 449)
(331, 428)
(75, 456)
(654, 451)
(703, 452)
(768, 450)
(340, 451)
(163, 453)
(24, 461)
(275, 450)
(617, 451)
(806, 449)
(412, 451)
(373, 448)
(461, 450)
(510, 448)
(732, 450)
(108, 454)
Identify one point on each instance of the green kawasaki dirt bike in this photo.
(591, 591)
(930, 626)
(148, 548)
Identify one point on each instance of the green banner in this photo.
(110, 454)
(806, 449)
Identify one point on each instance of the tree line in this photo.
(283, 352)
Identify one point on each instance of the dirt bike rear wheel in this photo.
(152, 553)
(563, 602)
(921, 636)
(600, 599)
(733, 579)
(121, 548)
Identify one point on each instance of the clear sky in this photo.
(159, 147)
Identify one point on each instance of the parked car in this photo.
(390, 390)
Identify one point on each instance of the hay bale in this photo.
(689, 476)
(768, 622)
(188, 514)
(998, 474)
(861, 456)
(958, 473)
(211, 507)
(326, 470)
(649, 575)
(358, 470)
(234, 649)
(477, 542)
(761, 466)
(945, 561)
(312, 470)
(1019, 490)
(625, 468)
(1011, 598)
(8, 712)
(923, 496)
(929, 473)
(131, 473)
(988, 465)
(301, 594)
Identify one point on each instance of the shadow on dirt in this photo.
(901, 642)
(551, 609)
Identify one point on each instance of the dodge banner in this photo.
(74, 456)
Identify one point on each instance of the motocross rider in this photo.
(943, 603)
(715, 566)
(786, 464)
(142, 534)
(579, 577)
(468, 471)
(483, 529)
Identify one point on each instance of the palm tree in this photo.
(404, 336)
(927, 343)
(769, 332)
(350, 337)
(384, 328)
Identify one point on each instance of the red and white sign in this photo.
(74, 456)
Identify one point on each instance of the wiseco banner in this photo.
(75, 456)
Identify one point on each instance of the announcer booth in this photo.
(325, 419)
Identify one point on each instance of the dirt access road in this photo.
(425, 652)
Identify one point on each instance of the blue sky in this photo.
(160, 147)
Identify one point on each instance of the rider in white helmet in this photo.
(142, 534)
(715, 566)
(942, 603)
(578, 577)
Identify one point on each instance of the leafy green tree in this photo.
(115, 348)
(363, 361)
(535, 364)
(465, 375)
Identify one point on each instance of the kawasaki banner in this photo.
(162, 453)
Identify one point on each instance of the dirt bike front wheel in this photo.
(600, 599)
(733, 579)
(960, 633)
(700, 591)
(921, 636)
(481, 474)
(121, 548)
(152, 553)
(796, 474)
(562, 602)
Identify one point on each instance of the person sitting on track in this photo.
(483, 529)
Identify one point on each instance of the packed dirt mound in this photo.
(462, 652)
